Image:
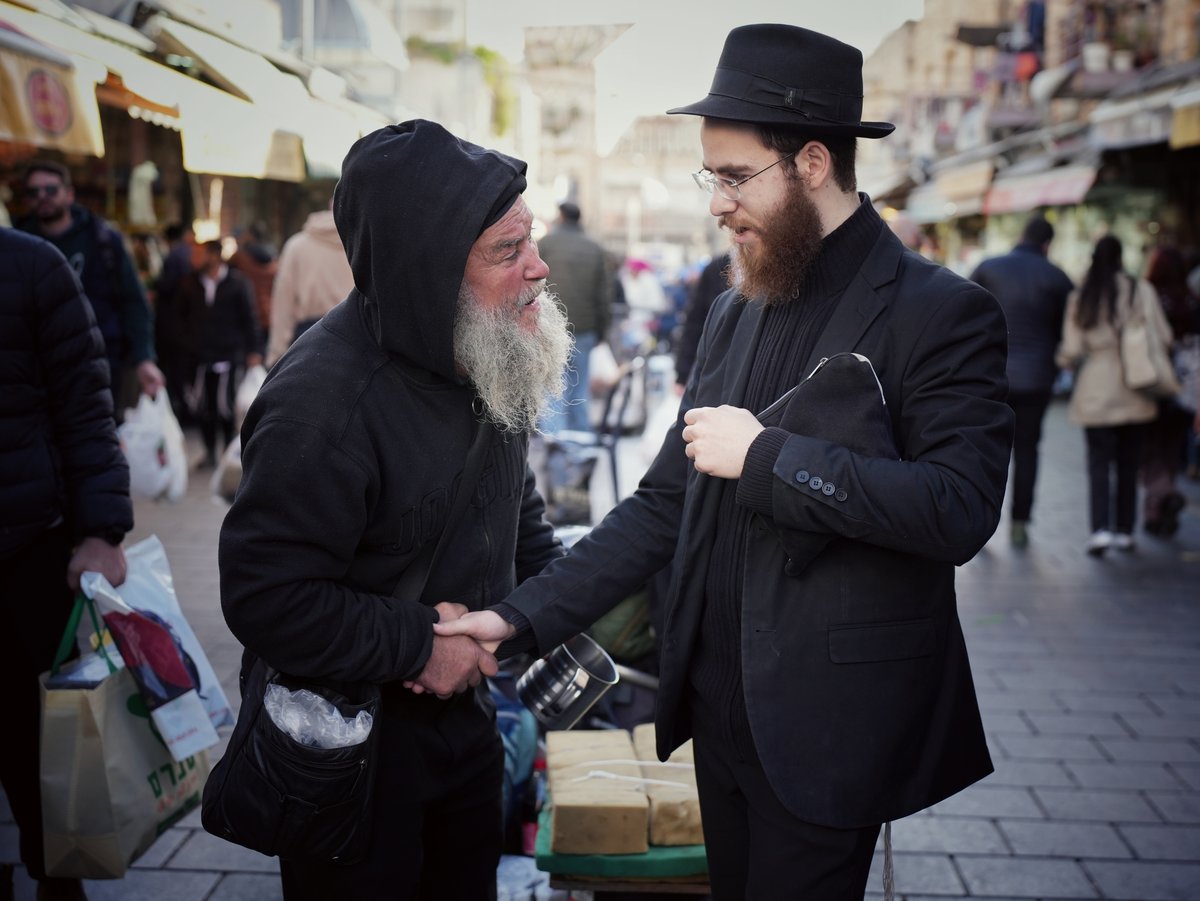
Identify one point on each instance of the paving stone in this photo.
(1143, 881)
(1057, 839)
(207, 852)
(1083, 724)
(1049, 747)
(951, 835)
(1097, 806)
(162, 849)
(1189, 773)
(984, 800)
(1175, 705)
(1024, 878)
(1150, 750)
(1163, 842)
(1103, 702)
(926, 874)
(1176, 807)
(1013, 723)
(247, 887)
(1161, 726)
(1147, 776)
(1025, 773)
(153, 885)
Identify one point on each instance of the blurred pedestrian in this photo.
(831, 694)
(713, 281)
(1113, 416)
(1165, 442)
(169, 334)
(255, 259)
(1032, 291)
(314, 276)
(580, 278)
(354, 452)
(97, 253)
(221, 328)
(64, 489)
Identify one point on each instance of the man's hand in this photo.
(456, 664)
(96, 555)
(485, 626)
(718, 439)
(448, 610)
(150, 378)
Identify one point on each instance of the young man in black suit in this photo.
(826, 684)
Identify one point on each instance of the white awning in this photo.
(1062, 186)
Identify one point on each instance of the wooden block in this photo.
(674, 809)
(599, 805)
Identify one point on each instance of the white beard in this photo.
(518, 373)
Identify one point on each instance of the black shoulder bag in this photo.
(277, 796)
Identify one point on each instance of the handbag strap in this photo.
(68, 637)
(411, 583)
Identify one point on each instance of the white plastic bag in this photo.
(150, 588)
(228, 474)
(153, 444)
(603, 370)
(247, 391)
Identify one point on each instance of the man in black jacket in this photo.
(825, 682)
(64, 490)
(353, 452)
(222, 339)
(97, 253)
(1032, 291)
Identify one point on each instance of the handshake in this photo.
(464, 650)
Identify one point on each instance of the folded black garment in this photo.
(841, 401)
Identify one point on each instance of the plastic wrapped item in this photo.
(519, 879)
(313, 720)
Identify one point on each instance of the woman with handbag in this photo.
(1164, 448)
(1112, 414)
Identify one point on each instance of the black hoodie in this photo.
(353, 447)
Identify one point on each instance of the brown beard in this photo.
(789, 243)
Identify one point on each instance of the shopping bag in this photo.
(247, 391)
(109, 785)
(150, 588)
(165, 674)
(153, 444)
(228, 475)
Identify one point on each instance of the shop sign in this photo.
(49, 102)
(1064, 186)
(1185, 127)
(1151, 125)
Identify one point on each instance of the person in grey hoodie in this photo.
(314, 276)
(353, 452)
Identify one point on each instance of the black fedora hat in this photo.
(786, 75)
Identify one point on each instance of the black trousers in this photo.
(1029, 409)
(1113, 450)
(437, 827)
(35, 603)
(220, 389)
(757, 849)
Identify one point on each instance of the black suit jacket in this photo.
(855, 671)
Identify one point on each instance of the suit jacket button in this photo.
(802, 476)
(828, 489)
(815, 483)
(841, 494)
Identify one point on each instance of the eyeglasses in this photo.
(37, 190)
(727, 187)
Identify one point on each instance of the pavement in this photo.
(1087, 671)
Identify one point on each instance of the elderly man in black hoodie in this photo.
(353, 451)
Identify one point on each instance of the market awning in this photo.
(965, 186)
(1061, 186)
(926, 204)
(301, 134)
(47, 100)
(1132, 122)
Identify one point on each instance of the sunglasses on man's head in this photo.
(38, 190)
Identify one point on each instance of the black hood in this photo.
(411, 202)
